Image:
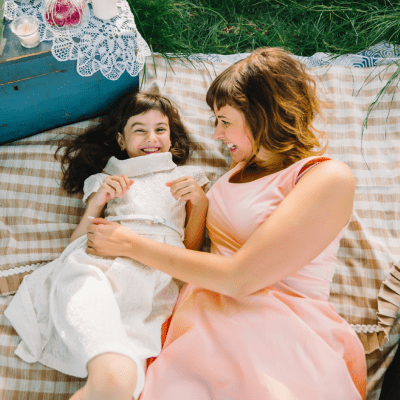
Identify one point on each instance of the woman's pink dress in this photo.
(282, 342)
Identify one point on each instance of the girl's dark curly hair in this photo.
(88, 153)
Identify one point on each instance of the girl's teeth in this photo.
(232, 146)
(150, 150)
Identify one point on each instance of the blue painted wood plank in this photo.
(38, 93)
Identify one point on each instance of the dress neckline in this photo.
(236, 169)
(142, 165)
(233, 172)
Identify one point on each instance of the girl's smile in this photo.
(146, 133)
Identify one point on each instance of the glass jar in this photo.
(65, 14)
(26, 28)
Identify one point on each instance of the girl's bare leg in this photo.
(111, 376)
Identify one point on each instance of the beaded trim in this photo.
(20, 270)
(366, 328)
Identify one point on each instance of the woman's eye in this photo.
(139, 131)
(224, 123)
(161, 130)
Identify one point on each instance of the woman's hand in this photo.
(113, 186)
(108, 239)
(187, 189)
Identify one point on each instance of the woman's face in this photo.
(146, 133)
(233, 130)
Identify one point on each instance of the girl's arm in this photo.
(92, 210)
(112, 187)
(301, 227)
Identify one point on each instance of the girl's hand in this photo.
(113, 186)
(108, 239)
(186, 188)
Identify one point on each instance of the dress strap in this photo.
(312, 163)
(153, 218)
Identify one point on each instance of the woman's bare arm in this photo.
(195, 225)
(302, 226)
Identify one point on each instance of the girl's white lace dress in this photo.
(79, 305)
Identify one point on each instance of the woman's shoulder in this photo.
(330, 178)
(321, 165)
(326, 168)
(316, 171)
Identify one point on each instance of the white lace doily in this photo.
(111, 47)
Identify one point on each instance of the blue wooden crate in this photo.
(38, 93)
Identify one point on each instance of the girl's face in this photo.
(146, 133)
(233, 130)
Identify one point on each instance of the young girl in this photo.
(102, 317)
(254, 321)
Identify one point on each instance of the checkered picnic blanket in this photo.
(37, 217)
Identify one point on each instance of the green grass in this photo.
(302, 27)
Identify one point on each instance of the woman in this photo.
(254, 321)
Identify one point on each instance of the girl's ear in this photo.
(120, 141)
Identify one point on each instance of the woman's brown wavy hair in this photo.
(277, 99)
(87, 154)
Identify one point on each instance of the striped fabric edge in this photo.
(388, 303)
(378, 362)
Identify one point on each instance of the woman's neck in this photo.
(264, 164)
(266, 159)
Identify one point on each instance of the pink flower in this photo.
(64, 12)
(49, 19)
(59, 21)
(75, 18)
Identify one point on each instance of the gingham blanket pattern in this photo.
(37, 217)
(368, 250)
